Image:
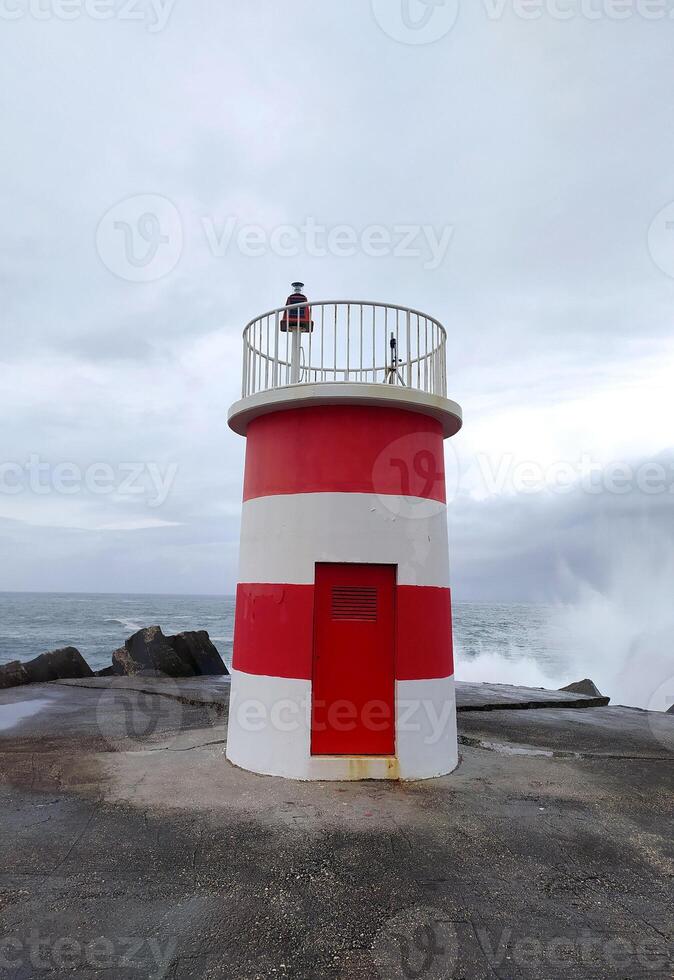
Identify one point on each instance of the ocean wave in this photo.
(515, 667)
(128, 624)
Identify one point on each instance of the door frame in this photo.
(394, 656)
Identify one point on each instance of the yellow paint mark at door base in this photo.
(373, 767)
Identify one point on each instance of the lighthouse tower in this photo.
(342, 664)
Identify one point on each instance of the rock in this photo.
(57, 665)
(120, 662)
(149, 652)
(196, 650)
(53, 666)
(105, 672)
(670, 711)
(13, 674)
(583, 687)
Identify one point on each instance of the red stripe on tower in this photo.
(274, 624)
(345, 449)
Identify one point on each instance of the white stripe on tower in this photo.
(283, 536)
(426, 743)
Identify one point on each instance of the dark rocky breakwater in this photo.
(148, 652)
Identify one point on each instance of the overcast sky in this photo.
(532, 156)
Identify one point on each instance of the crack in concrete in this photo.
(535, 705)
(78, 839)
(516, 749)
(194, 702)
(188, 748)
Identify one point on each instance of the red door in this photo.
(352, 710)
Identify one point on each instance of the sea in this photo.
(528, 644)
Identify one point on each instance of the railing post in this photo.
(274, 372)
(441, 355)
(408, 331)
(295, 355)
(348, 340)
(322, 340)
(437, 369)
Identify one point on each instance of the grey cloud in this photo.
(549, 546)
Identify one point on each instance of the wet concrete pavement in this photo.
(131, 848)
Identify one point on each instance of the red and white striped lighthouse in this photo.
(342, 664)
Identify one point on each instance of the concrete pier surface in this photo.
(131, 848)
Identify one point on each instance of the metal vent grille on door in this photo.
(354, 602)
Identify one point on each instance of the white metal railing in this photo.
(349, 341)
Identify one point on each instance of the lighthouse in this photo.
(342, 665)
